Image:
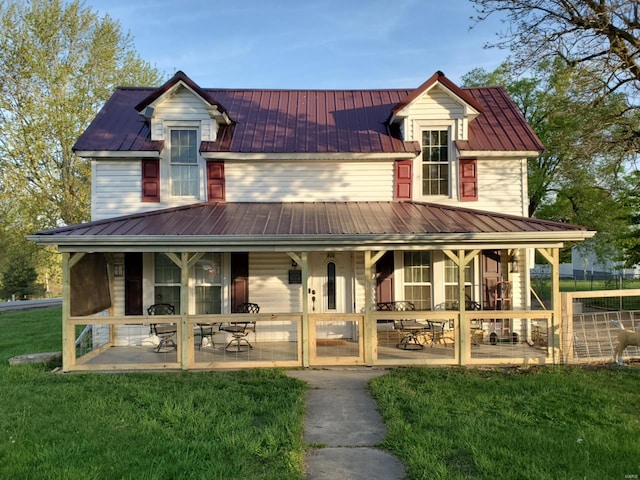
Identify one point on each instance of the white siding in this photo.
(309, 181)
(269, 283)
(434, 106)
(117, 189)
(183, 106)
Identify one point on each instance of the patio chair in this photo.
(239, 330)
(164, 331)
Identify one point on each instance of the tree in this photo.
(578, 176)
(602, 36)
(18, 277)
(60, 63)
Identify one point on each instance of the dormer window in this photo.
(184, 163)
(435, 162)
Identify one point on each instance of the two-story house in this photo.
(321, 207)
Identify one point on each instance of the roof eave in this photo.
(309, 155)
(118, 153)
(73, 243)
(498, 153)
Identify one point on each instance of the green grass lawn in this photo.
(547, 423)
(214, 425)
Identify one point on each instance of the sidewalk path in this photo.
(343, 420)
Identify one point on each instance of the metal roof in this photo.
(331, 222)
(309, 121)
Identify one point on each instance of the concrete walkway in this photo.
(343, 421)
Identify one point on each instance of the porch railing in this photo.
(481, 338)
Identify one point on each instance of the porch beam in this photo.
(470, 256)
(75, 258)
(295, 257)
(371, 258)
(452, 256)
(174, 258)
(194, 258)
(547, 254)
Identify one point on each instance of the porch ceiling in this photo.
(312, 225)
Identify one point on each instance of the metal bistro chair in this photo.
(164, 331)
(240, 330)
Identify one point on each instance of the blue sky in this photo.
(323, 44)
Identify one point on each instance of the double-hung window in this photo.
(167, 281)
(209, 284)
(435, 162)
(451, 290)
(184, 163)
(417, 279)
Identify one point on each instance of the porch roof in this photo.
(289, 226)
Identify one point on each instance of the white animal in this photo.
(626, 338)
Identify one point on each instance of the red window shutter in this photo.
(403, 179)
(469, 180)
(151, 180)
(215, 180)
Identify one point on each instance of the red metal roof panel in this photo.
(309, 218)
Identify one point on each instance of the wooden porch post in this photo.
(464, 350)
(185, 350)
(552, 255)
(68, 330)
(68, 342)
(305, 308)
(370, 325)
(462, 327)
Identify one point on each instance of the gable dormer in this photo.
(180, 99)
(437, 99)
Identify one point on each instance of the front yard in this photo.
(542, 423)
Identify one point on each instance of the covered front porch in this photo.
(451, 333)
(347, 283)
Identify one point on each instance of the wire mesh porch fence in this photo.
(591, 324)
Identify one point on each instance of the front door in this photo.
(331, 279)
(335, 332)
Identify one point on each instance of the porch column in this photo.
(552, 255)
(186, 353)
(464, 350)
(370, 325)
(462, 327)
(304, 257)
(68, 342)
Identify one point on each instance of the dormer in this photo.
(181, 100)
(436, 100)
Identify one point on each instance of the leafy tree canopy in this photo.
(578, 177)
(60, 63)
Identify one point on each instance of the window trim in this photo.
(449, 162)
(198, 165)
(429, 284)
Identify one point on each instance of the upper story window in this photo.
(184, 163)
(435, 162)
